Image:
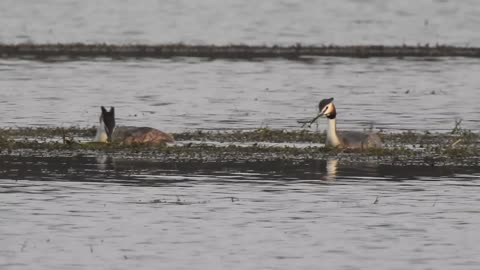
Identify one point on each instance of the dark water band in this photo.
(230, 51)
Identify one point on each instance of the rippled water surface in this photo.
(63, 213)
(248, 21)
(181, 94)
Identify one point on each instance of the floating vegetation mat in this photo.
(456, 148)
(75, 50)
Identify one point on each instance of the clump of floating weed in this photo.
(383, 151)
(459, 152)
(463, 136)
(258, 135)
(35, 145)
(437, 149)
(5, 143)
(401, 138)
(48, 132)
(75, 146)
(279, 135)
(457, 128)
(134, 147)
(411, 138)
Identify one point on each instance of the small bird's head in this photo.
(327, 108)
(107, 119)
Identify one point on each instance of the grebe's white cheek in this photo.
(328, 110)
(324, 111)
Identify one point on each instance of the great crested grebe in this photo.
(108, 132)
(347, 139)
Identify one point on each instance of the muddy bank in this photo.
(75, 50)
(457, 148)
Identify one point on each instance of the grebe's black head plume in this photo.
(324, 102)
(108, 118)
(327, 108)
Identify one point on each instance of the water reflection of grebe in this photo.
(347, 139)
(103, 162)
(332, 166)
(108, 132)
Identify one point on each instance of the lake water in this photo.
(88, 212)
(248, 21)
(84, 213)
(183, 94)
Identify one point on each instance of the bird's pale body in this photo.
(346, 139)
(107, 131)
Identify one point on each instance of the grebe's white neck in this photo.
(332, 137)
(101, 133)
